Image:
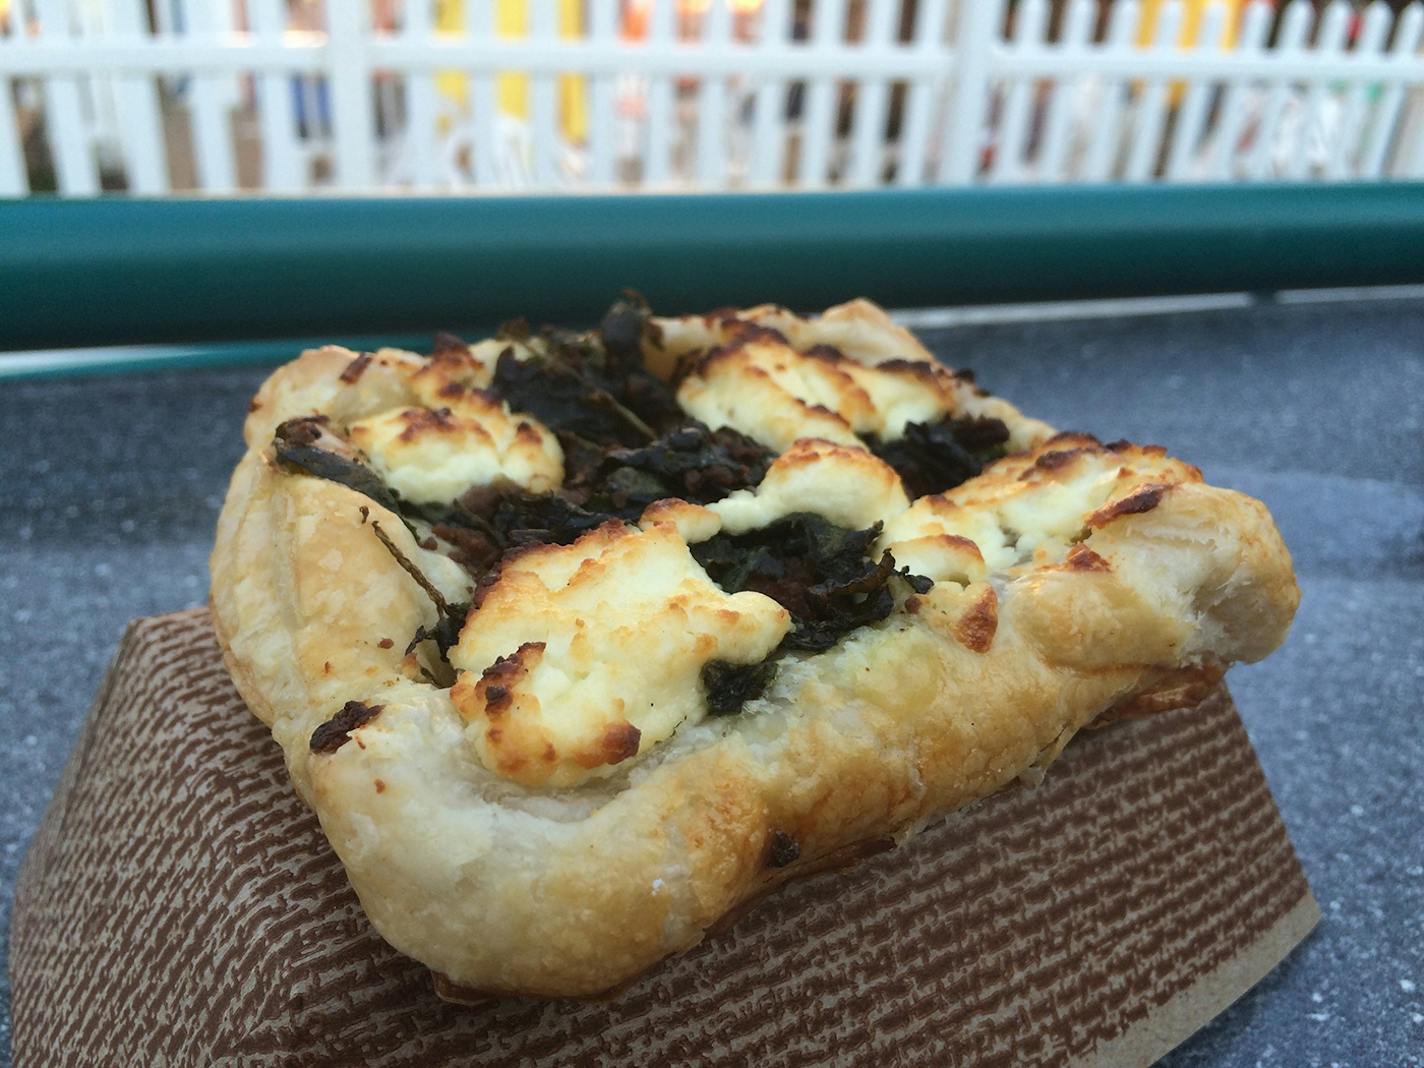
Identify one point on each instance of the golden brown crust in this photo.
(511, 889)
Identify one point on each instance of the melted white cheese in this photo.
(1025, 509)
(775, 394)
(432, 456)
(847, 485)
(606, 640)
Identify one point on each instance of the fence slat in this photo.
(1290, 42)
(1152, 104)
(921, 95)
(14, 179)
(546, 138)
(1381, 131)
(819, 119)
(483, 119)
(1030, 27)
(1343, 148)
(76, 172)
(872, 99)
(1255, 24)
(768, 163)
(349, 75)
(976, 33)
(1330, 40)
(140, 126)
(716, 109)
(1191, 116)
(602, 119)
(1065, 92)
(662, 33)
(1105, 140)
(281, 161)
(163, 17)
(14, 182)
(712, 99)
(212, 123)
(1412, 166)
(419, 133)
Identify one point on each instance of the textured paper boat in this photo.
(179, 905)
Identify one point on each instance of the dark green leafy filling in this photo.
(308, 446)
(821, 573)
(627, 444)
(935, 457)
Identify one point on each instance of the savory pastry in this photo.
(576, 642)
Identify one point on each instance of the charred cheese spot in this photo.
(1135, 503)
(582, 656)
(849, 486)
(776, 394)
(356, 368)
(433, 455)
(467, 367)
(1081, 558)
(975, 629)
(1033, 509)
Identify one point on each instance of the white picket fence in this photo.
(221, 95)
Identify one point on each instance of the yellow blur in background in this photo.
(511, 22)
(1193, 15)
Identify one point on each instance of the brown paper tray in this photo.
(179, 905)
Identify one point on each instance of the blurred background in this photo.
(158, 96)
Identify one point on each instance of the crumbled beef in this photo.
(336, 731)
(821, 573)
(935, 457)
(356, 368)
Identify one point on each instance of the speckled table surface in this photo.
(111, 486)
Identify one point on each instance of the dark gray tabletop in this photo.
(111, 486)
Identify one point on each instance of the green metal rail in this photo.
(116, 271)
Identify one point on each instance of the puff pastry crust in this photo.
(1072, 581)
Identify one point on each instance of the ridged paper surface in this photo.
(180, 905)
